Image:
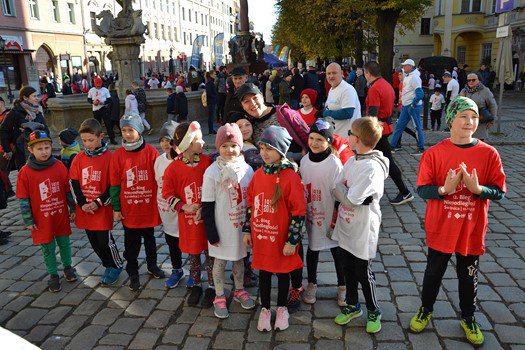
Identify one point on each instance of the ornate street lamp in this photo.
(10, 95)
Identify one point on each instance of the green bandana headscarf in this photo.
(458, 105)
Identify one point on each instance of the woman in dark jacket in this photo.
(26, 109)
(182, 104)
(114, 109)
(211, 99)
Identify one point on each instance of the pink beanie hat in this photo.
(229, 132)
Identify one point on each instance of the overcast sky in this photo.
(261, 13)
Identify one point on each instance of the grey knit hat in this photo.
(277, 138)
(133, 120)
(168, 130)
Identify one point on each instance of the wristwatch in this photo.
(442, 191)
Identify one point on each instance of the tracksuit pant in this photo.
(104, 246)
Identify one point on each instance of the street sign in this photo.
(504, 6)
(502, 32)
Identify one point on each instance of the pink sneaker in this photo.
(242, 297)
(264, 320)
(281, 321)
(220, 308)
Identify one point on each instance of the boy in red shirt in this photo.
(43, 190)
(89, 175)
(134, 197)
(458, 177)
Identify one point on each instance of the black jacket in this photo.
(171, 107)
(182, 104)
(115, 106)
(297, 85)
(232, 106)
(66, 89)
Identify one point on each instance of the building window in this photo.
(191, 39)
(202, 18)
(493, 6)
(163, 33)
(425, 26)
(71, 12)
(93, 19)
(55, 14)
(189, 15)
(486, 53)
(33, 9)
(9, 8)
(470, 6)
(196, 21)
(184, 37)
(183, 14)
(462, 54)
(157, 34)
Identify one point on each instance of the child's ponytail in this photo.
(278, 192)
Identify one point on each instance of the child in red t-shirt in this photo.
(182, 188)
(308, 100)
(89, 176)
(134, 197)
(43, 190)
(274, 219)
(458, 177)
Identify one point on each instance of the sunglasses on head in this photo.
(471, 80)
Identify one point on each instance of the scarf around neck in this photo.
(474, 89)
(133, 146)
(319, 157)
(31, 110)
(97, 151)
(270, 169)
(229, 170)
(38, 165)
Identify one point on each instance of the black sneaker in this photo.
(402, 199)
(69, 274)
(4, 234)
(419, 152)
(53, 284)
(195, 295)
(294, 298)
(134, 283)
(209, 297)
(156, 272)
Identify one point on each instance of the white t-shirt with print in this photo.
(453, 86)
(319, 180)
(101, 94)
(168, 215)
(340, 97)
(230, 211)
(437, 102)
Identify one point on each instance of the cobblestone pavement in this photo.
(86, 315)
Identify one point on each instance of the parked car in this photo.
(436, 64)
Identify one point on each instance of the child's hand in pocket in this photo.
(288, 250)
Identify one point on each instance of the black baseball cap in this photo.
(238, 71)
(246, 89)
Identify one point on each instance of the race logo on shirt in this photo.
(134, 176)
(262, 205)
(312, 194)
(192, 193)
(235, 194)
(89, 175)
(47, 188)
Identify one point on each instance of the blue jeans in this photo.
(408, 112)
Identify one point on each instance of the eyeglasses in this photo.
(351, 134)
(471, 80)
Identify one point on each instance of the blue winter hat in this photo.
(277, 138)
(132, 120)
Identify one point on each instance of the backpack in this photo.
(294, 123)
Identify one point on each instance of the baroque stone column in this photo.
(125, 60)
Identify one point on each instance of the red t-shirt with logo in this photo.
(46, 190)
(382, 95)
(270, 226)
(185, 182)
(93, 175)
(134, 173)
(458, 223)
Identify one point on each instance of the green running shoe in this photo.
(373, 324)
(420, 320)
(472, 331)
(349, 312)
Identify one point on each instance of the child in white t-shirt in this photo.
(437, 101)
(223, 211)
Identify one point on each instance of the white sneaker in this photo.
(265, 318)
(341, 296)
(281, 320)
(309, 295)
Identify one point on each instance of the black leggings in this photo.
(383, 145)
(467, 272)
(312, 259)
(435, 117)
(132, 243)
(297, 274)
(265, 288)
(175, 253)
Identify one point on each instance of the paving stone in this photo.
(38, 333)
(457, 345)
(140, 307)
(357, 338)
(55, 315)
(394, 260)
(204, 326)
(326, 309)
(47, 300)
(158, 319)
(491, 342)
(424, 341)
(106, 316)
(511, 294)
(391, 346)
(519, 309)
(26, 319)
(145, 339)
(498, 312)
(189, 315)
(292, 346)
(449, 328)
(86, 338)
(228, 340)
(408, 303)
(71, 325)
(485, 292)
(196, 343)
(390, 331)
(300, 317)
(255, 336)
(175, 333)
(126, 325)
(55, 342)
(501, 279)
(116, 339)
(76, 297)
(294, 333)
(88, 307)
(326, 328)
(510, 334)
(404, 288)
(324, 344)
(18, 303)
(239, 322)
